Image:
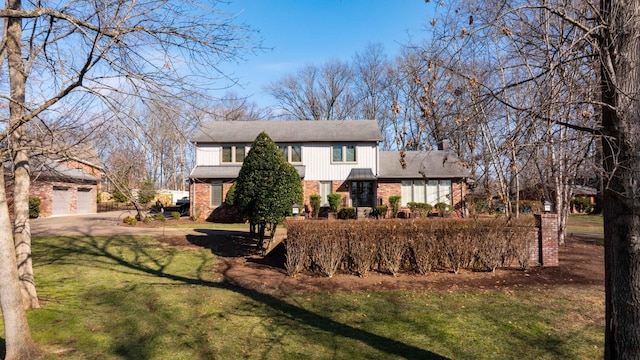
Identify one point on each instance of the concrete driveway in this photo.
(101, 224)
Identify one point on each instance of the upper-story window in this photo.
(233, 153)
(343, 153)
(291, 153)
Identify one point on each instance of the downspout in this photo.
(377, 170)
(464, 203)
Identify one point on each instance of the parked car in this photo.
(184, 205)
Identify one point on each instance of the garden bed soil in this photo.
(581, 264)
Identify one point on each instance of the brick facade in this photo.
(547, 244)
(201, 208)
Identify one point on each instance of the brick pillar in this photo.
(547, 239)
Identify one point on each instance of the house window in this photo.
(325, 189)
(343, 153)
(431, 192)
(233, 153)
(216, 193)
(291, 153)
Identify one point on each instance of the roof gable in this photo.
(290, 131)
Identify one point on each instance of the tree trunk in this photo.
(18, 341)
(620, 51)
(22, 231)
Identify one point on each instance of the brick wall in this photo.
(200, 197)
(547, 244)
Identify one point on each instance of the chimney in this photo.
(445, 145)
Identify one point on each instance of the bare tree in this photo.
(317, 92)
(371, 80)
(583, 58)
(75, 52)
(232, 107)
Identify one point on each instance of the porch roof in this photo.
(361, 175)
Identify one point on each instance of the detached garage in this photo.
(66, 187)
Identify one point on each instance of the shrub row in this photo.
(393, 246)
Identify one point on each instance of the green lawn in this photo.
(585, 223)
(131, 298)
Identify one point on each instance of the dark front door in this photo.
(362, 194)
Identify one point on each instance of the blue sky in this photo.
(315, 31)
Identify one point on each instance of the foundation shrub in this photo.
(347, 213)
(334, 201)
(419, 209)
(380, 212)
(394, 203)
(315, 201)
(442, 208)
(34, 207)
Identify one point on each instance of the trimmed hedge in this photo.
(395, 246)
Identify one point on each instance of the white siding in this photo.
(207, 155)
(315, 157)
(318, 165)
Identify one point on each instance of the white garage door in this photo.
(85, 198)
(61, 201)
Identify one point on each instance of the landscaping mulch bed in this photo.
(581, 264)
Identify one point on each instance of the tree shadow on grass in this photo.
(107, 252)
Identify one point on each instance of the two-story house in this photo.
(330, 157)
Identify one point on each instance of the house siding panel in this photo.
(319, 167)
(207, 155)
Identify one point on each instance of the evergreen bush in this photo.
(334, 201)
(34, 207)
(394, 201)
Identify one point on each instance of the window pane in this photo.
(216, 193)
(406, 192)
(445, 192)
(239, 153)
(226, 154)
(296, 153)
(419, 191)
(351, 153)
(283, 150)
(337, 153)
(432, 192)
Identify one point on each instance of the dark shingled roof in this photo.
(227, 172)
(289, 131)
(429, 164)
(361, 174)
